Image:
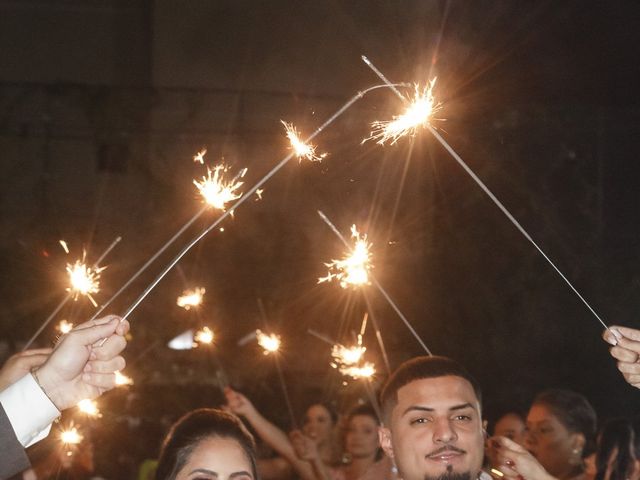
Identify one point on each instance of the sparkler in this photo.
(64, 326)
(484, 188)
(69, 295)
(83, 280)
(247, 195)
(378, 286)
(89, 407)
(301, 149)
(270, 343)
(205, 335)
(191, 298)
(122, 380)
(71, 436)
(215, 190)
(353, 269)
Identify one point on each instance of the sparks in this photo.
(353, 269)
(122, 380)
(89, 407)
(71, 436)
(191, 298)
(64, 246)
(259, 192)
(205, 335)
(84, 280)
(270, 343)
(199, 157)
(215, 190)
(419, 112)
(366, 370)
(302, 150)
(347, 355)
(64, 326)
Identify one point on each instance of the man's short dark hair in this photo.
(417, 369)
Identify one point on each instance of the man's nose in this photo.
(444, 431)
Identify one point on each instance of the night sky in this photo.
(103, 104)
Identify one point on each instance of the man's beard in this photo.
(450, 475)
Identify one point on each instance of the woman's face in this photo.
(361, 437)
(318, 423)
(217, 458)
(557, 449)
(511, 426)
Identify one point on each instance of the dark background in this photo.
(103, 104)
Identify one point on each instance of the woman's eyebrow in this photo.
(243, 473)
(204, 470)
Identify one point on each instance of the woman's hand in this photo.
(515, 462)
(626, 349)
(238, 403)
(305, 447)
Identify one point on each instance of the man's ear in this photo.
(384, 436)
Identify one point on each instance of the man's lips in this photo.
(445, 454)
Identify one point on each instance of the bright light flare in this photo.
(64, 326)
(122, 380)
(89, 407)
(84, 280)
(217, 191)
(417, 114)
(71, 436)
(353, 269)
(205, 335)
(301, 149)
(64, 246)
(191, 298)
(347, 356)
(270, 343)
(366, 370)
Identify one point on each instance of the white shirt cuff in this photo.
(29, 410)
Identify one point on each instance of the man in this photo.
(625, 348)
(79, 368)
(432, 430)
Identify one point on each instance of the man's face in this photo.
(435, 430)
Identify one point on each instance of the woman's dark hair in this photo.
(364, 410)
(616, 435)
(332, 412)
(194, 427)
(574, 411)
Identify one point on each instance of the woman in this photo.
(618, 448)
(207, 444)
(362, 458)
(560, 434)
(318, 425)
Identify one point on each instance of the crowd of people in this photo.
(427, 425)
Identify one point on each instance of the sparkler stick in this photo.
(378, 286)
(376, 328)
(247, 195)
(67, 298)
(490, 194)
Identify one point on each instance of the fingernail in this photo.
(616, 333)
(87, 367)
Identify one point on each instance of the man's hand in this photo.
(81, 367)
(626, 349)
(18, 365)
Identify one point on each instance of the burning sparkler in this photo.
(301, 149)
(84, 280)
(270, 343)
(215, 190)
(418, 113)
(64, 246)
(64, 326)
(71, 436)
(366, 371)
(205, 335)
(122, 380)
(191, 298)
(89, 407)
(353, 269)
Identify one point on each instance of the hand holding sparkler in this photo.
(626, 349)
(20, 364)
(78, 369)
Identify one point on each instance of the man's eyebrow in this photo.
(419, 408)
(462, 406)
(204, 470)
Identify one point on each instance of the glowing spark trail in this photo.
(71, 436)
(270, 343)
(90, 408)
(67, 298)
(301, 149)
(122, 380)
(326, 220)
(244, 197)
(83, 280)
(353, 269)
(191, 298)
(199, 157)
(366, 370)
(491, 195)
(205, 335)
(64, 245)
(64, 326)
(215, 190)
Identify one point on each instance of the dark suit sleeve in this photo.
(13, 458)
